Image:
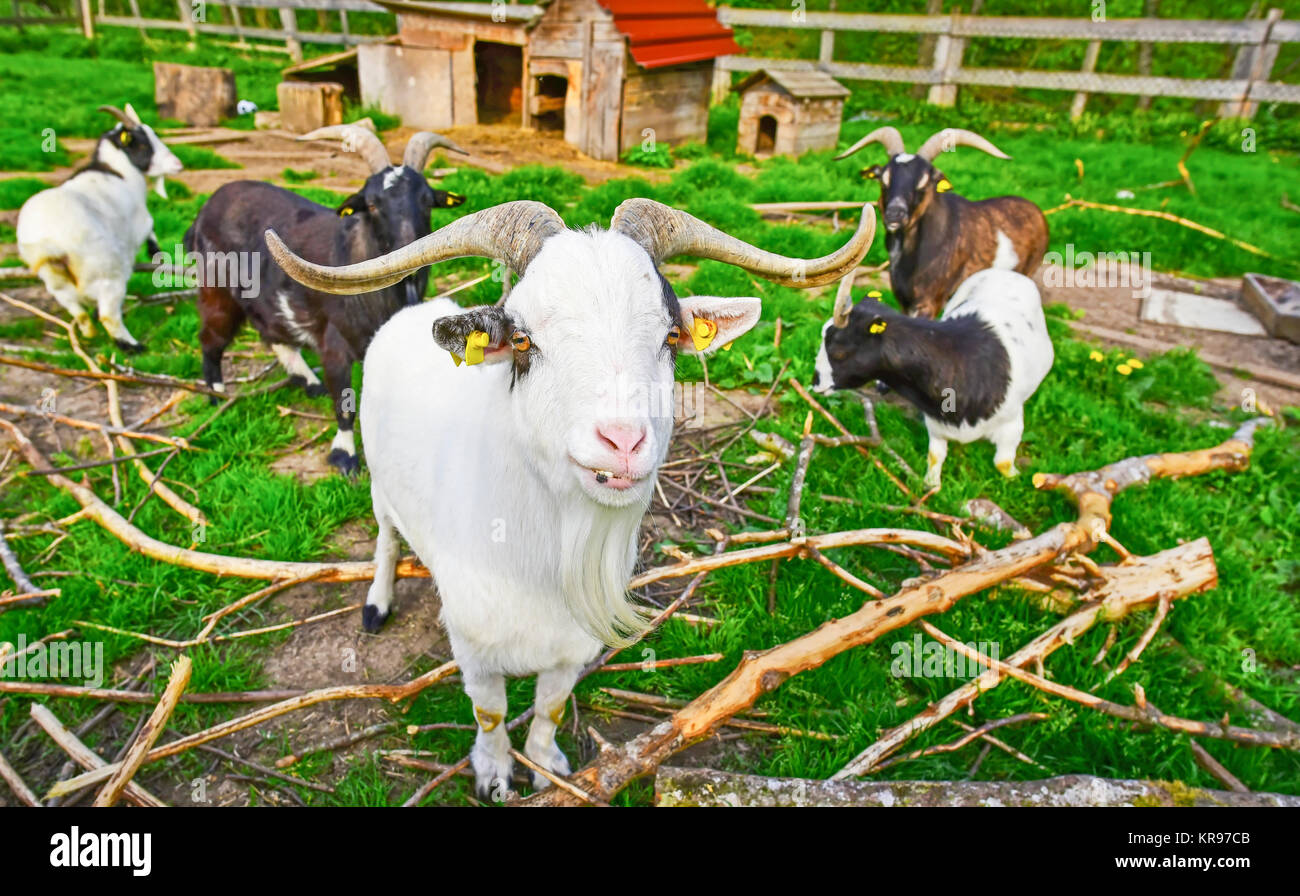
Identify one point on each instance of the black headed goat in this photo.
(936, 238)
(390, 211)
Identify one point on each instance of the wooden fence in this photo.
(1258, 42)
(192, 18)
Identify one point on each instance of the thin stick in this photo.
(1164, 216)
(389, 692)
(1162, 610)
(108, 462)
(22, 410)
(270, 772)
(557, 780)
(661, 664)
(126, 769)
(84, 756)
(114, 695)
(843, 430)
(972, 734)
(29, 594)
(844, 575)
(1217, 769)
(1146, 714)
(16, 783)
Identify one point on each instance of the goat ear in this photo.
(709, 322)
(351, 205)
(877, 325)
(481, 336)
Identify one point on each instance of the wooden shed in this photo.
(602, 72)
(789, 112)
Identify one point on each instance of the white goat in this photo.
(521, 480)
(81, 237)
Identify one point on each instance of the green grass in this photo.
(1085, 414)
(294, 176)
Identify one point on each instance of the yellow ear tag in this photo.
(474, 346)
(346, 210)
(125, 137)
(702, 333)
(943, 186)
(878, 327)
(874, 294)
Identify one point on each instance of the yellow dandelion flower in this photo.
(1135, 363)
(1097, 356)
(1124, 369)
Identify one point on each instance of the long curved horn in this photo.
(887, 137)
(513, 232)
(954, 137)
(843, 302)
(423, 143)
(664, 232)
(119, 115)
(364, 143)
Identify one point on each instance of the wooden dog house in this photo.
(602, 72)
(789, 112)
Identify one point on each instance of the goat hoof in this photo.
(493, 790)
(315, 390)
(372, 620)
(134, 348)
(347, 464)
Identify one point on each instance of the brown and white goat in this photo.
(936, 238)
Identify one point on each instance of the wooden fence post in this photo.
(1089, 66)
(87, 21)
(289, 21)
(826, 52)
(183, 7)
(721, 83)
(948, 52)
(1253, 63)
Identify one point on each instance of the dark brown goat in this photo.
(390, 211)
(936, 238)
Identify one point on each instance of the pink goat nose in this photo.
(624, 439)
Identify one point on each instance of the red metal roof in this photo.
(671, 32)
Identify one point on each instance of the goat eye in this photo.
(674, 335)
(520, 341)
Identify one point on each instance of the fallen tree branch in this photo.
(705, 787)
(1185, 569)
(153, 728)
(762, 671)
(84, 756)
(1143, 714)
(16, 783)
(391, 692)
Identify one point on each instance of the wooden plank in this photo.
(329, 5)
(1089, 65)
(1139, 85)
(1042, 27)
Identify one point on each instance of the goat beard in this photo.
(598, 552)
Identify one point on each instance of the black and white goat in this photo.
(970, 372)
(936, 238)
(515, 447)
(391, 210)
(81, 237)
